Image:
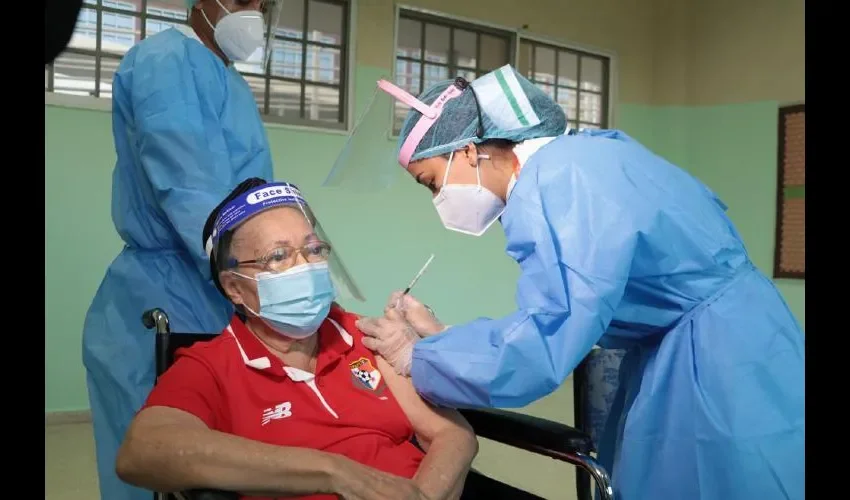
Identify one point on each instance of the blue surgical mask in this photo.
(295, 302)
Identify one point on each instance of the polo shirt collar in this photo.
(334, 343)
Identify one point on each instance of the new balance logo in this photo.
(280, 411)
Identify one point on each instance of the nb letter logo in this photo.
(283, 410)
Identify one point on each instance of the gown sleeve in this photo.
(574, 239)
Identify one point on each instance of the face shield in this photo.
(449, 115)
(282, 257)
(361, 163)
(271, 10)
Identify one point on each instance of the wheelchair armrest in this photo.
(209, 495)
(528, 433)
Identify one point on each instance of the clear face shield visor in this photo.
(363, 163)
(282, 257)
(271, 10)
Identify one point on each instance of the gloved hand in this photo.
(392, 337)
(420, 317)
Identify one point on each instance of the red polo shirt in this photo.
(235, 385)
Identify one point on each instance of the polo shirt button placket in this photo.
(313, 383)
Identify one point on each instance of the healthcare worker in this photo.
(187, 131)
(620, 248)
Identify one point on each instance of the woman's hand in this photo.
(354, 481)
(420, 317)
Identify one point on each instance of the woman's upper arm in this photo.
(427, 420)
(188, 387)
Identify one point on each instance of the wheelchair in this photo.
(533, 434)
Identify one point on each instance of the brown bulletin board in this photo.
(790, 258)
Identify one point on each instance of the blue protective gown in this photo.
(186, 131)
(621, 248)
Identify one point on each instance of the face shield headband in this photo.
(265, 197)
(430, 114)
(252, 203)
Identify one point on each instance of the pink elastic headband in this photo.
(430, 114)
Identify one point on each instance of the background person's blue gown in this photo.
(620, 247)
(187, 131)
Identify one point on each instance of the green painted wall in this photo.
(80, 242)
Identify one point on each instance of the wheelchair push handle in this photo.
(156, 318)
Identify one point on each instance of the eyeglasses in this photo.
(281, 258)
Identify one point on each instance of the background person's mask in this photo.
(295, 302)
(238, 34)
(467, 208)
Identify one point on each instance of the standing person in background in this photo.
(186, 131)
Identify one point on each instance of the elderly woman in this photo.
(287, 402)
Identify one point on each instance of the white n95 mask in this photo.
(239, 34)
(467, 208)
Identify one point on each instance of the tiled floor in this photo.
(71, 473)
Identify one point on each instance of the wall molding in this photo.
(89, 103)
(67, 417)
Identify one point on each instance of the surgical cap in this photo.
(190, 3)
(512, 108)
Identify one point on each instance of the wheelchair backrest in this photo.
(168, 343)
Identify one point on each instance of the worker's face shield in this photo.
(360, 164)
(310, 243)
(271, 10)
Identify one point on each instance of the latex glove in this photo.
(392, 337)
(420, 317)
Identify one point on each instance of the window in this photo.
(104, 32)
(790, 258)
(431, 49)
(305, 82)
(576, 80)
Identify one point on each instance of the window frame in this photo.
(302, 82)
(517, 36)
(582, 53)
(778, 271)
(346, 84)
(431, 19)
